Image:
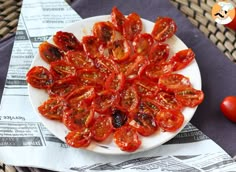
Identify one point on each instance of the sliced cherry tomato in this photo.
(149, 105)
(53, 108)
(92, 77)
(49, 52)
(145, 87)
(182, 58)
(136, 68)
(119, 50)
(117, 19)
(67, 41)
(102, 128)
(164, 28)
(78, 117)
(154, 71)
(132, 26)
(159, 53)
(79, 138)
(228, 107)
(91, 46)
(84, 93)
(39, 77)
(173, 82)
(106, 66)
(167, 101)
(144, 123)
(119, 118)
(129, 99)
(104, 100)
(127, 139)
(189, 97)
(169, 120)
(61, 69)
(115, 81)
(142, 43)
(103, 31)
(62, 87)
(79, 59)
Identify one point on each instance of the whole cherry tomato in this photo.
(228, 107)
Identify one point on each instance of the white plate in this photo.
(81, 28)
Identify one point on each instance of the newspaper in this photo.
(24, 140)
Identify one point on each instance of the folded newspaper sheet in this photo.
(24, 141)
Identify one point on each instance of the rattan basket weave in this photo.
(197, 11)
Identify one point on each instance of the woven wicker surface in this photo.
(197, 11)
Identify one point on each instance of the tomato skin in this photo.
(228, 107)
(164, 28)
(79, 138)
(67, 41)
(132, 26)
(117, 19)
(169, 120)
(127, 139)
(49, 52)
(101, 128)
(39, 77)
(182, 58)
(91, 46)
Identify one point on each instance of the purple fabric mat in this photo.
(218, 73)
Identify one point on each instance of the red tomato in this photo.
(164, 28)
(167, 101)
(144, 123)
(182, 58)
(103, 31)
(62, 87)
(145, 87)
(169, 120)
(67, 41)
(79, 138)
(91, 46)
(132, 26)
(49, 52)
(149, 105)
(39, 77)
(115, 81)
(159, 53)
(77, 118)
(119, 50)
(142, 43)
(189, 97)
(92, 77)
(126, 138)
(117, 19)
(173, 82)
(84, 93)
(78, 59)
(129, 99)
(154, 71)
(104, 100)
(61, 69)
(228, 107)
(106, 66)
(136, 68)
(102, 128)
(53, 108)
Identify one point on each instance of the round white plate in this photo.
(83, 27)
